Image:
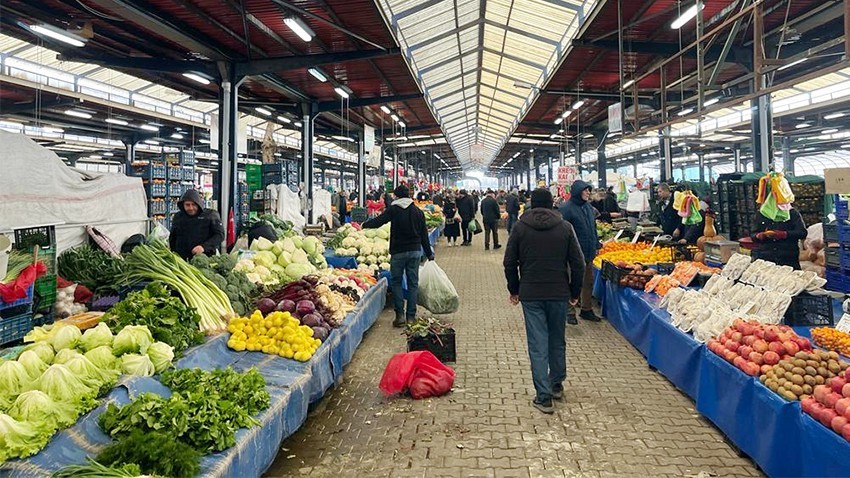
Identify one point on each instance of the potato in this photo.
(789, 395)
(799, 362)
(808, 389)
(798, 371)
(811, 371)
(823, 372)
(820, 380)
(797, 380)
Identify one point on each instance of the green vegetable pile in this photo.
(281, 227)
(18, 261)
(94, 469)
(219, 269)
(91, 267)
(204, 411)
(168, 319)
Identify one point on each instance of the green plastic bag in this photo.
(694, 217)
(770, 210)
(473, 226)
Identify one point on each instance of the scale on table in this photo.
(720, 251)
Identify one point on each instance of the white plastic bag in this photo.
(159, 232)
(436, 291)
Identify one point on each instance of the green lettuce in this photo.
(161, 355)
(132, 339)
(22, 439)
(37, 406)
(63, 385)
(32, 363)
(13, 378)
(43, 350)
(103, 357)
(94, 338)
(64, 355)
(64, 337)
(135, 364)
(84, 368)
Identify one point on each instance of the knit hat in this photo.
(401, 191)
(541, 197)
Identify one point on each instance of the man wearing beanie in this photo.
(579, 213)
(544, 267)
(408, 241)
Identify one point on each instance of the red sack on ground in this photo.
(420, 373)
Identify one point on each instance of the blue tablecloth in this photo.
(433, 235)
(292, 386)
(340, 262)
(775, 433)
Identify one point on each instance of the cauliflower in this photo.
(349, 242)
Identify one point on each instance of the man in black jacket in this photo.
(512, 208)
(544, 267)
(408, 240)
(466, 210)
(195, 230)
(668, 216)
(491, 214)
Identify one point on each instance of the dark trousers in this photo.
(494, 228)
(545, 324)
(464, 227)
(512, 219)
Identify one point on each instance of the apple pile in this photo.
(754, 347)
(797, 378)
(830, 405)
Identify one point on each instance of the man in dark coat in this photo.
(544, 267)
(579, 213)
(668, 217)
(466, 211)
(512, 208)
(342, 206)
(195, 230)
(491, 214)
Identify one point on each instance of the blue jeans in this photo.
(402, 263)
(512, 219)
(545, 324)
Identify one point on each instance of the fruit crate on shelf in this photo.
(442, 345)
(837, 280)
(810, 309)
(18, 306)
(626, 276)
(15, 328)
(679, 252)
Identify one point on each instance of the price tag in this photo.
(654, 241)
(637, 236)
(746, 308)
(617, 237)
(843, 325)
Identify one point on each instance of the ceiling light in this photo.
(78, 114)
(588, 135)
(277, 155)
(402, 124)
(559, 120)
(300, 28)
(385, 109)
(343, 91)
(95, 156)
(51, 129)
(263, 111)
(686, 16)
(833, 116)
(198, 77)
(712, 101)
(204, 141)
(108, 154)
(284, 119)
(58, 34)
(578, 104)
(802, 126)
(845, 145)
(830, 131)
(793, 63)
(177, 136)
(686, 111)
(149, 127)
(150, 141)
(298, 124)
(566, 113)
(794, 151)
(628, 84)
(394, 117)
(117, 121)
(317, 74)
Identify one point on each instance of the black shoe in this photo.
(545, 406)
(399, 320)
(589, 316)
(497, 246)
(571, 319)
(486, 248)
(558, 391)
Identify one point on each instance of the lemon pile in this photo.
(645, 256)
(279, 333)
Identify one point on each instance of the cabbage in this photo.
(135, 364)
(284, 259)
(95, 375)
(102, 357)
(37, 406)
(161, 355)
(63, 385)
(64, 337)
(132, 339)
(370, 233)
(32, 364)
(297, 271)
(261, 244)
(300, 257)
(310, 245)
(13, 378)
(265, 259)
(22, 439)
(43, 350)
(297, 241)
(277, 249)
(383, 233)
(94, 338)
(64, 355)
(288, 245)
(349, 242)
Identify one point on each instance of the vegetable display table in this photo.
(292, 386)
(775, 433)
(339, 262)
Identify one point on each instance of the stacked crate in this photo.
(836, 235)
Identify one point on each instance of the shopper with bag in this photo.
(452, 228)
(544, 268)
(579, 213)
(491, 214)
(408, 241)
(466, 210)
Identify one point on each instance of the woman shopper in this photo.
(466, 210)
(452, 228)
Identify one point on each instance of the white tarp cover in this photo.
(321, 205)
(37, 188)
(287, 205)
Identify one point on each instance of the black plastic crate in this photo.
(8, 309)
(442, 345)
(15, 328)
(274, 168)
(809, 309)
(42, 236)
(272, 179)
(45, 317)
(624, 276)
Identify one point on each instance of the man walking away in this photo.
(342, 206)
(491, 214)
(579, 213)
(512, 208)
(544, 267)
(466, 210)
(408, 240)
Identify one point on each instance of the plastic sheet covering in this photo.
(292, 386)
(287, 205)
(36, 187)
(321, 206)
(340, 262)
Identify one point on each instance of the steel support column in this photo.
(307, 161)
(787, 159)
(602, 167)
(737, 155)
(701, 162)
(361, 170)
(228, 148)
(130, 147)
(762, 133)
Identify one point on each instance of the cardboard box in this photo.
(837, 180)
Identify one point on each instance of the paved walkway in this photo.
(619, 418)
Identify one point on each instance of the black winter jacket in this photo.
(490, 211)
(466, 207)
(781, 251)
(512, 204)
(408, 232)
(543, 260)
(668, 217)
(203, 229)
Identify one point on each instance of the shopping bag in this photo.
(771, 211)
(436, 291)
(419, 373)
(781, 189)
(475, 227)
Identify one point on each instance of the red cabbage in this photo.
(320, 333)
(266, 306)
(311, 320)
(305, 307)
(286, 305)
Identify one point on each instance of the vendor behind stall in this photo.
(779, 241)
(195, 230)
(667, 215)
(606, 206)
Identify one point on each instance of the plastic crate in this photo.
(809, 310)
(45, 292)
(274, 168)
(837, 281)
(26, 301)
(48, 257)
(44, 317)
(833, 257)
(15, 328)
(272, 179)
(842, 211)
(623, 275)
(42, 236)
(443, 346)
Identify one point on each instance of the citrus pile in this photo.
(614, 246)
(279, 333)
(633, 256)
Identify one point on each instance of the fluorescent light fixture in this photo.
(712, 101)
(802, 126)
(395, 117)
(686, 111)
(566, 113)
(402, 124)
(686, 16)
(833, 116)
(150, 141)
(845, 146)
(298, 124)
(578, 104)
(177, 136)
(343, 91)
(149, 127)
(830, 131)
(588, 135)
(628, 84)
(58, 34)
(317, 74)
(51, 129)
(204, 141)
(95, 156)
(793, 63)
(197, 77)
(263, 111)
(794, 151)
(559, 120)
(108, 154)
(385, 109)
(515, 155)
(300, 28)
(284, 119)
(78, 114)
(117, 121)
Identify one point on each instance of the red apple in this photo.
(803, 342)
(845, 432)
(790, 347)
(760, 346)
(846, 390)
(759, 333)
(838, 423)
(842, 405)
(770, 334)
(808, 404)
(756, 358)
(765, 368)
(821, 391)
(750, 340)
(745, 351)
(837, 384)
(776, 347)
(831, 399)
(751, 369)
(739, 362)
(826, 417)
(730, 356)
(771, 357)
